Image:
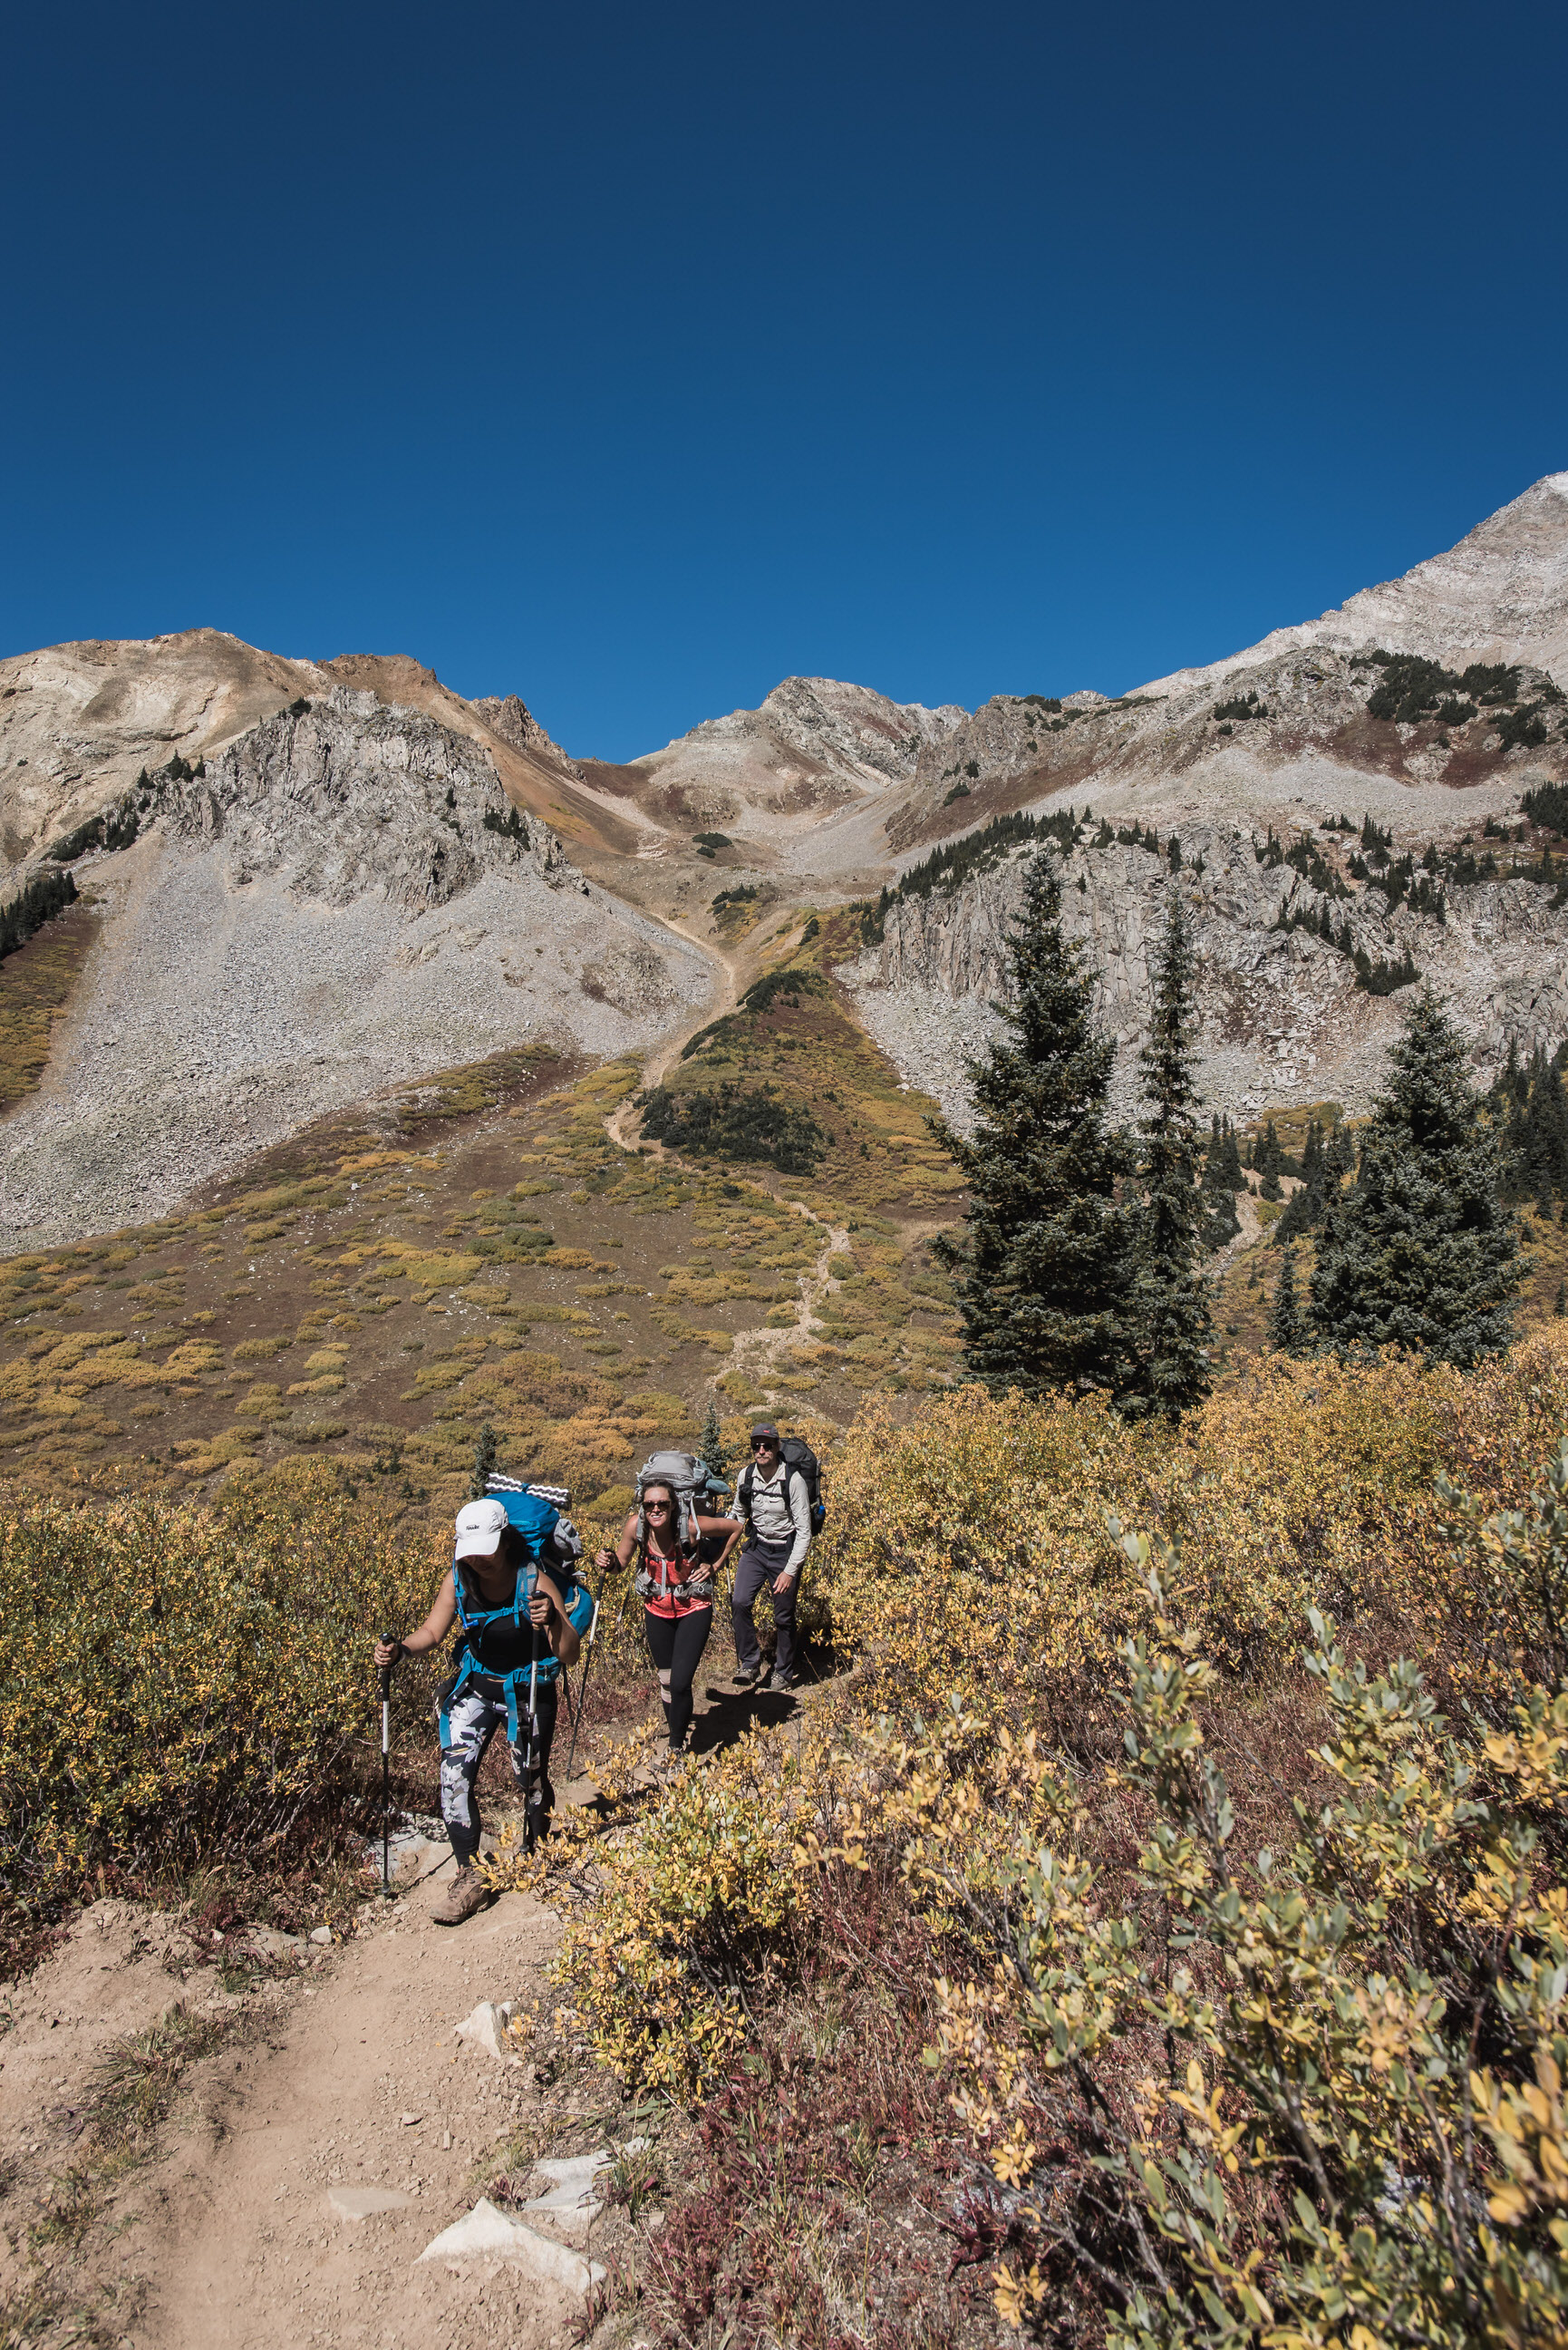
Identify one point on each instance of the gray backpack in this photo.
(686, 1476)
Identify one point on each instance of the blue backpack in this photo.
(535, 1520)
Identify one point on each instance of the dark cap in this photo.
(765, 1427)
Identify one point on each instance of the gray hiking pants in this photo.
(755, 1571)
(477, 1716)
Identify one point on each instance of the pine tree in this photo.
(1304, 1208)
(1170, 1296)
(1220, 1222)
(711, 1444)
(1288, 1328)
(1043, 1271)
(1269, 1156)
(1338, 1162)
(1420, 1253)
(484, 1454)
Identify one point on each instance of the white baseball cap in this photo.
(480, 1526)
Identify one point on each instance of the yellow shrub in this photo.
(172, 1678)
(698, 1899)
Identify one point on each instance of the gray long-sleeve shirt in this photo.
(777, 1520)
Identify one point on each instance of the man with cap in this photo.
(774, 1500)
(490, 1557)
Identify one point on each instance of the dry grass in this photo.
(36, 986)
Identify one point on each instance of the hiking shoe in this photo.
(782, 1681)
(747, 1676)
(466, 1894)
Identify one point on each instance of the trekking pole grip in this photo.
(384, 1672)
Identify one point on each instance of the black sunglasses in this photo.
(762, 1444)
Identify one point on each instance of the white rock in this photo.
(364, 2203)
(321, 1934)
(486, 2027)
(571, 2182)
(269, 1943)
(489, 2234)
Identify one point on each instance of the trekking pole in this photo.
(531, 1790)
(581, 1693)
(384, 1675)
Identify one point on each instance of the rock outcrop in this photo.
(344, 798)
(1282, 1019)
(510, 718)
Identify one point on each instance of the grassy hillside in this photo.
(477, 1251)
(36, 986)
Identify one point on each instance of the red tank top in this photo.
(668, 1597)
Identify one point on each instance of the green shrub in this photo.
(735, 1121)
(511, 826)
(1525, 725)
(1546, 805)
(786, 985)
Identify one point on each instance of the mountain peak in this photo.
(1501, 593)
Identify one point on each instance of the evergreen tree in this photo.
(1304, 1208)
(1268, 1160)
(1171, 1297)
(711, 1444)
(1338, 1162)
(1045, 1269)
(1220, 1222)
(1288, 1329)
(1542, 1134)
(1420, 1253)
(484, 1455)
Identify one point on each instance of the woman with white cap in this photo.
(501, 1642)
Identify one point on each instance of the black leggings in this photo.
(677, 1643)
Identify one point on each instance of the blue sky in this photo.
(633, 358)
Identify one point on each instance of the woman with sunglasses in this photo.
(677, 1587)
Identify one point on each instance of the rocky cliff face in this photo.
(344, 797)
(505, 715)
(341, 899)
(78, 723)
(1283, 1020)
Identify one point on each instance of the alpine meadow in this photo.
(1050, 1219)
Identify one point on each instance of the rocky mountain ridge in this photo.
(342, 898)
(1500, 595)
(1286, 1013)
(812, 744)
(331, 876)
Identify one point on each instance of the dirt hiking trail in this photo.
(347, 2076)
